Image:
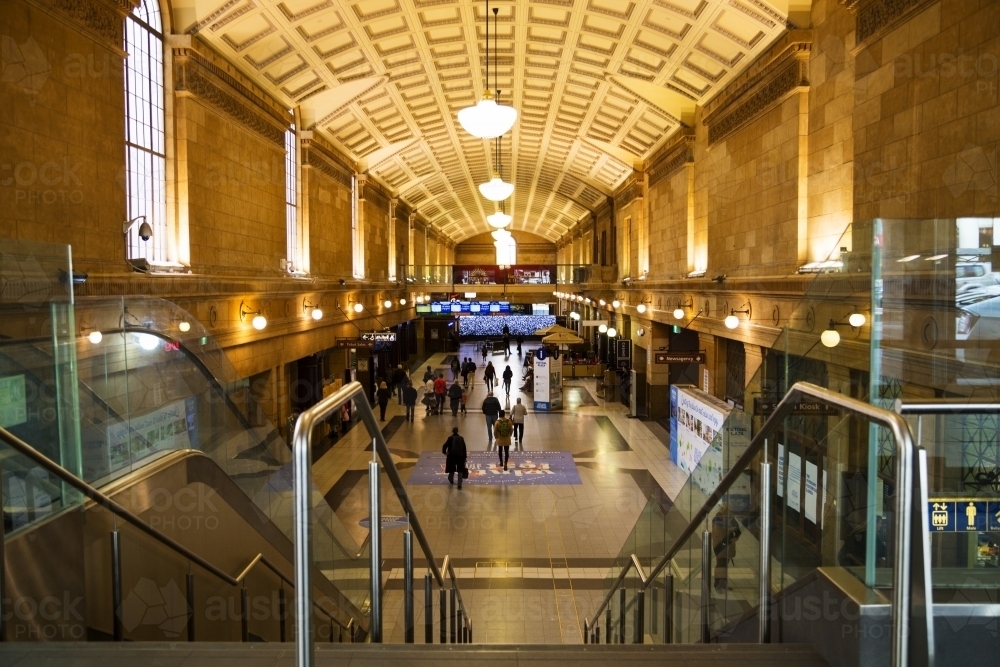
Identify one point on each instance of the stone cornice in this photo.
(875, 17)
(630, 190)
(318, 155)
(370, 191)
(101, 20)
(671, 158)
(784, 69)
(197, 73)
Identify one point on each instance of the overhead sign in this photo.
(963, 515)
(465, 308)
(355, 342)
(765, 406)
(379, 336)
(678, 357)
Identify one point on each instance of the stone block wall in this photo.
(62, 146)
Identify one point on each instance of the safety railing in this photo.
(120, 512)
(912, 639)
(458, 618)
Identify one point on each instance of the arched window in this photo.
(145, 162)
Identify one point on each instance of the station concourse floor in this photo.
(531, 561)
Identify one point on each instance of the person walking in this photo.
(517, 415)
(440, 388)
(455, 369)
(485, 350)
(503, 428)
(465, 372)
(472, 372)
(382, 396)
(410, 400)
(725, 532)
(429, 399)
(520, 341)
(508, 375)
(506, 345)
(465, 399)
(428, 374)
(455, 395)
(455, 453)
(399, 382)
(491, 408)
(490, 376)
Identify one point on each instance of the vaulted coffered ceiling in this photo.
(598, 84)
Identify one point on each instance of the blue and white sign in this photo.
(963, 516)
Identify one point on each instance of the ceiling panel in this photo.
(553, 61)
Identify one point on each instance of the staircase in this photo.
(416, 655)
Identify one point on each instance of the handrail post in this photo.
(375, 530)
(428, 610)
(118, 629)
(668, 608)
(621, 615)
(244, 614)
(764, 594)
(408, 587)
(443, 615)
(640, 621)
(454, 612)
(607, 626)
(706, 587)
(282, 615)
(586, 632)
(190, 602)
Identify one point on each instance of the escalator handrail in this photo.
(946, 406)
(107, 503)
(906, 456)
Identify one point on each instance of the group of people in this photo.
(501, 428)
(490, 376)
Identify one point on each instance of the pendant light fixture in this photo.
(487, 120)
(496, 189)
(499, 219)
(500, 235)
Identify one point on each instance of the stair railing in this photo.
(912, 632)
(119, 512)
(305, 426)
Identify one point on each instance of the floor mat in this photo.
(523, 469)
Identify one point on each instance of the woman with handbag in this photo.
(455, 455)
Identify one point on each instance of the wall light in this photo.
(184, 326)
(402, 302)
(358, 307)
(258, 321)
(95, 337)
(616, 304)
(732, 321)
(575, 316)
(830, 337)
(857, 320)
(603, 328)
(679, 310)
(612, 332)
(603, 303)
(387, 303)
(317, 312)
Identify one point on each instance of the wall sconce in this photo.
(184, 326)
(679, 310)
(732, 321)
(616, 304)
(603, 328)
(641, 332)
(402, 302)
(612, 332)
(387, 304)
(603, 303)
(831, 337)
(93, 335)
(258, 321)
(641, 308)
(575, 316)
(317, 312)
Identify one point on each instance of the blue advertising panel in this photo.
(673, 423)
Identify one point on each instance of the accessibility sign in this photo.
(963, 515)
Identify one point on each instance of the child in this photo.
(465, 397)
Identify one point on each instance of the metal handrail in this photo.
(907, 519)
(107, 503)
(945, 406)
(302, 509)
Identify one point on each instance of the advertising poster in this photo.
(542, 382)
(794, 482)
(781, 470)
(120, 444)
(674, 393)
(812, 490)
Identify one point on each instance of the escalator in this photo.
(167, 431)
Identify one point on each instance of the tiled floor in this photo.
(531, 561)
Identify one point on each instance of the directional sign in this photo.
(355, 342)
(963, 515)
(764, 407)
(678, 357)
(379, 336)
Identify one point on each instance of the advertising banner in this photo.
(707, 437)
(107, 450)
(547, 382)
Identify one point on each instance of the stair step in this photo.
(417, 655)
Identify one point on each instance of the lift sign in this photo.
(963, 515)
